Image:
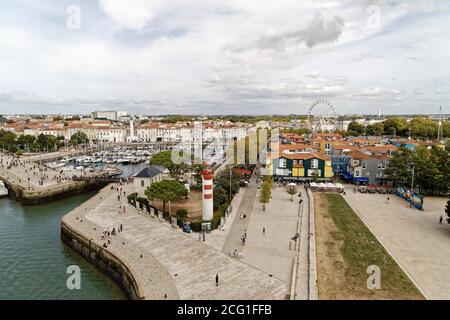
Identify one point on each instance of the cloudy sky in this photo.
(224, 57)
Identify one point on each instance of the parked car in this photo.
(362, 189)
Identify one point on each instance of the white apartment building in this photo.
(103, 131)
(189, 132)
(109, 115)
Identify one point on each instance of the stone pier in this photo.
(23, 182)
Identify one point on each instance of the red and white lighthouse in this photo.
(207, 195)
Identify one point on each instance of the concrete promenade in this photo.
(414, 238)
(269, 251)
(182, 266)
(240, 225)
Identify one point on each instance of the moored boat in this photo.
(3, 190)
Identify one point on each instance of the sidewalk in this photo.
(239, 226)
(270, 252)
(217, 238)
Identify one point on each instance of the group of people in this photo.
(244, 237)
(108, 232)
(32, 171)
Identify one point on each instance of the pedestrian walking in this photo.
(204, 237)
(290, 245)
(217, 280)
(440, 219)
(264, 230)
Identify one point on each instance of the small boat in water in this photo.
(113, 171)
(3, 190)
(123, 161)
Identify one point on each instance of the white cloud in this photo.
(229, 56)
(312, 74)
(132, 14)
(378, 92)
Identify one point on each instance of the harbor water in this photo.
(34, 261)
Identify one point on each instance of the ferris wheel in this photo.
(322, 117)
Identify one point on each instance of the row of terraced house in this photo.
(324, 156)
(107, 131)
(360, 160)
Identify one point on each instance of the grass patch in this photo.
(361, 249)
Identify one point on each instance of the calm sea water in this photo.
(33, 260)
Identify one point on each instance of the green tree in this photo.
(222, 179)
(423, 127)
(397, 170)
(164, 158)
(446, 129)
(315, 176)
(79, 137)
(292, 191)
(182, 213)
(166, 190)
(220, 196)
(376, 129)
(396, 126)
(197, 169)
(355, 129)
(431, 169)
(48, 142)
(8, 141)
(266, 192)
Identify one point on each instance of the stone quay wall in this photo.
(104, 260)
(52, 193)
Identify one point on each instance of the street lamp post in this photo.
(412, 169)
(230, 191)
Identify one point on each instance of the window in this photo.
(295, 161)
(142, 183)
(364, 165)
(314, 164)
(357, 173)
(282, 163)
(300, 161)
(355, 162)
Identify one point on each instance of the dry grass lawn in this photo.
(345, 248)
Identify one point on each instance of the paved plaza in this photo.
(270, 251)
(414, 238)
